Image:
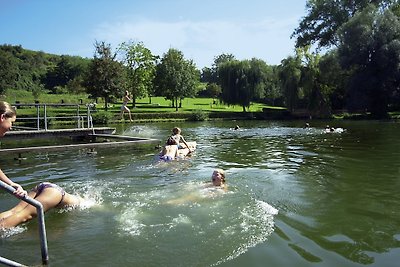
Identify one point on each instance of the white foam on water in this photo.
(257, 224)
(129, 224)
(140, 130)
(6, 233)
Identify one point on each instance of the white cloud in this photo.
(202, 41)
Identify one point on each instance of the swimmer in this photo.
(218, 178)
(177, 139)
(48, 194)
(217, 182)
(169, 153)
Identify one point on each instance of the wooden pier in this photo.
(90, 134)
(75, 132)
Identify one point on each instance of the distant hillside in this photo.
(37, 71)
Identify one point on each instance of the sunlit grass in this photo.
(157, 104)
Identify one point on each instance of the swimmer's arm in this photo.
(19, 191)
(184, 199)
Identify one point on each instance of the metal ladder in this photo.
(42, 227)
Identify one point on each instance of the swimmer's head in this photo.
(176, 130)
(218, 177)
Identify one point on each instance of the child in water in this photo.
(217, 182)
(176, 139)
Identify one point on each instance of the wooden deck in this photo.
(91, 134)
(75, 132)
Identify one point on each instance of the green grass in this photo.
(158, 104)
(158, 110)
(25, 97)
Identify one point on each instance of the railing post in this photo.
(40, 215)
(38, 116)
(79, 122)
(45, 117)
(88, 116)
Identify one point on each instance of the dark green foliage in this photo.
(242, 81)
(289, 76)
(106, 75)
(325, 17)
(68, 73)
(370, 50)
(140, 64)
(176, 77)
(33, 71)
(198, 115)
(101, 117)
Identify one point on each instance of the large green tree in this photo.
(325, 17)
(140, 64)
(106, 75)
(370, 50)
(289, 76)
(315, 93)
(176, 77)
(241, 81)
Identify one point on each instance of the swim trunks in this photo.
(166, 158)
(42, 186)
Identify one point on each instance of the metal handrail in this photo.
(45, 118)
(42, 226)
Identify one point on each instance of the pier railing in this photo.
(42, 227)
(41, 121)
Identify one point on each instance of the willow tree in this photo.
(289, 76)
(241, 82)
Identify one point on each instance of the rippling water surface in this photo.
(297, 197)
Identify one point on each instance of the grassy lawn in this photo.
(158, 104)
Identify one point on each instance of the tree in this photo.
(315, 93)
(325, 17)
(213, 90)
(140, 64)
(289, 76)
(105, 77)
(176, 77)
(68, 74)
(273, 89)
(241, 82)
(8, 71)
(370, 50)
(335, 78)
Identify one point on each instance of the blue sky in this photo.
(200, 29)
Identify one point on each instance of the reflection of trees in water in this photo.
(352, 202)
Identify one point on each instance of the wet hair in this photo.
(176, 130)
(7, 110)
(222, 172)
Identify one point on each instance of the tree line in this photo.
(358, 70)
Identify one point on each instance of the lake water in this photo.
(297, 197)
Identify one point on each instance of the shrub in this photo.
(101, 117)
(198, 115)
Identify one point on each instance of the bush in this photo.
(198, 115)
(101, 117)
